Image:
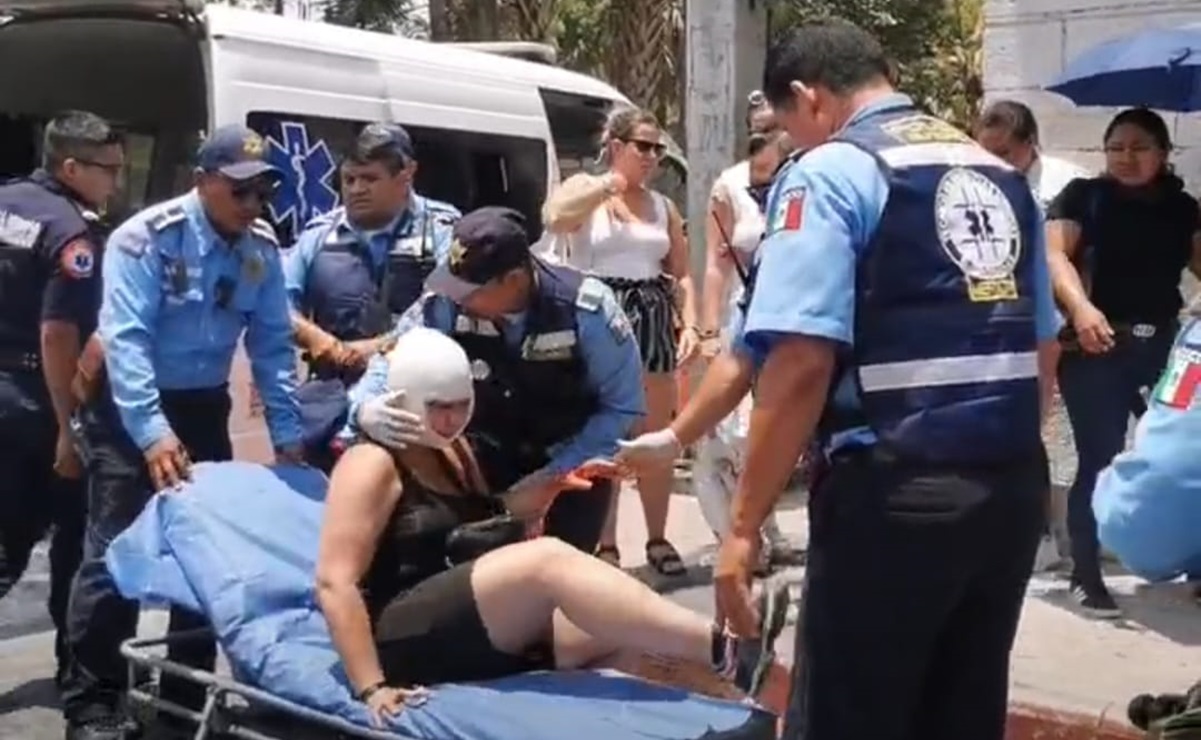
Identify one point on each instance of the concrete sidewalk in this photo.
(1062, 660)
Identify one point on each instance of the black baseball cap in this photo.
(488, 242)
(236, 152)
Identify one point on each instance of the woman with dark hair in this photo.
(1117, 245)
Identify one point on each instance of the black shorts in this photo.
(433, 634)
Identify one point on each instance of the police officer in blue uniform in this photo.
(50, 241)
(182, 281)
(353, 269)
(901, 311)
(558, 375)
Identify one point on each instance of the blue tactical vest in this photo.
(353, 298)
(944, 353)
(530, 398)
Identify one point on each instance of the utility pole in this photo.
(726, 44)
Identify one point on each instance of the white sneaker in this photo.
(1048, 558)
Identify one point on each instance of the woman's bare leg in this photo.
(518, 589)
(654, 487)
(524, 591)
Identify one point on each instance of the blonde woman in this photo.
(733, 231)
(631, 237)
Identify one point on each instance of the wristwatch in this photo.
(371, 691)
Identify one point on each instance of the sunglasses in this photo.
(648, 147)
(261, 189)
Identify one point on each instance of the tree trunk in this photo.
(440, 24)
(641, 32)
(532, 19)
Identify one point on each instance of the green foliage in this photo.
(934, 43)
(388, 16)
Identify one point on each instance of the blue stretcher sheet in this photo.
(239, 544)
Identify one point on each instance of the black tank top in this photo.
(412, 546)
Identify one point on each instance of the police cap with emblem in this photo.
(488, 242)
(236, 152)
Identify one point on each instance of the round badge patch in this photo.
(77, 259)
(480, 370)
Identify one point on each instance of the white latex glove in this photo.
(653, 448)
(383, 419)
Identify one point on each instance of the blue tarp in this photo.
(1148, 501)
(239, 544)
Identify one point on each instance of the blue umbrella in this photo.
(1156, 68)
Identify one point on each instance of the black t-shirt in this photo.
(1133, 245)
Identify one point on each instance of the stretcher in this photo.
(238, 545)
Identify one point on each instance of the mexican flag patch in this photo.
(1178, 386)
(789, 211)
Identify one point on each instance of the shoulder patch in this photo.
(77, 259)
(132, 243)
(591, 295)
(788, 211)
(168, 218)
(1178, 385)
(263, 230)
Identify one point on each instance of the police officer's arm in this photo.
(374, 382)
(823, 209)
(1047, 322)
(132, 290)
(295, 264)
(68, 305)
(727, 380)
(614, 372)
(273, 356)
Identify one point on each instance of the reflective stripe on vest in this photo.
(893, 376)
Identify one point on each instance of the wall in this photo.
(1028, 42)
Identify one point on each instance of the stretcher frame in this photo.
(217, 716)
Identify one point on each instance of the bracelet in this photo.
(708, 333)
(371, 691)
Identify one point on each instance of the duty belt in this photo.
(1121, 333)
(20, 361)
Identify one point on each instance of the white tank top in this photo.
(748, 220)
(609, 248)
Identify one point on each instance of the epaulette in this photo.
(592, 295)
(443, 213)
(168, 218)
(263, 230)
(322, 219)
(89, 215)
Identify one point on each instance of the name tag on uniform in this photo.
(466, 325)
(556, 345)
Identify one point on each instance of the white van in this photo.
(488, 129)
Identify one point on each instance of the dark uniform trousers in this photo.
(100, 619)
(914, 587)
(578, 517)
(32, 500)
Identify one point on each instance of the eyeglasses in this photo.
(648, 147)
(262, 189)
(112, 169)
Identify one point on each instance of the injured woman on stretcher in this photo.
(424, 577)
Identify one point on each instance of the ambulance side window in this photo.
(463, 168)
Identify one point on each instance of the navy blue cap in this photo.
(488, 242)
(388, 135)
(236, 152)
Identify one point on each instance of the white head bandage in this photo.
(430, 366)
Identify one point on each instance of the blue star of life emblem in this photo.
(305, 190)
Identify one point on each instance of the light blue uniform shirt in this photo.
(805, 282)
(610, 355)
(163, 328)
(1148, 501)
(298, 260)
